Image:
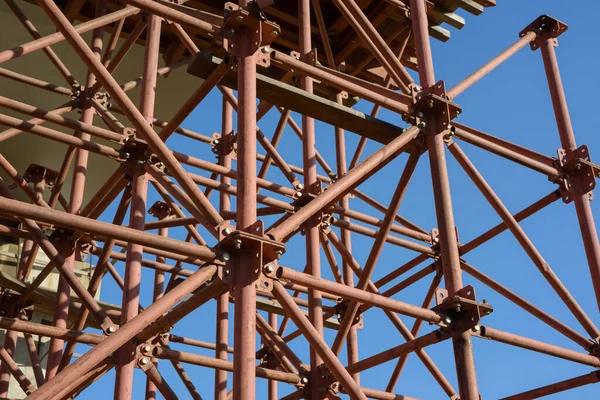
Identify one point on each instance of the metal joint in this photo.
(546, 27)
(240, 22)
(38, 174)
(463, 312)
(263, 252)
(161, 210)
(579, 173)
(433, 104)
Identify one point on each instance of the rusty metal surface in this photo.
(310, 57)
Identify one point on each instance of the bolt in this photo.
(266, 49)
(420, 114)
(269, 269)
(237, 243)
(111, 329)
(476, 328)
(274, 33)
(230, 33)
(299, 186)
(147, 348)
(144, 361)
(228, 231)
(225, 257)
(457, 113)
(457, 308)
(297, 195)
(239, 18)
(448, 320)
(578, 166)
(484, 301)
(278, 254)
(430, 103)
(422, 125)
(304, 380)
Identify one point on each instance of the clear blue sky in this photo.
(513, 103)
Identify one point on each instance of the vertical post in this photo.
(244, 356)
(137, 216)
(463, 350)
(348, 274)
(567, 139)
(61, 310)
(273, 383)
(223, 299)
(313, 266)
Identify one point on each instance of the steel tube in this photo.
(463, 351)
(527, 306)
(360, 296)
(317, 342)
(401, 350)
(58, 37)
(540, 347)
(491, 65)
(104, 229)
(210, 362)
(130, 110)
(55, 387)
(354, 177)
(244, 356)
(13, 367)
(159, 383)
(567, 139)
(557, 387)
(524, 241)
(33, 328)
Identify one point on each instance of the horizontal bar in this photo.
(196, 359)
(540, 347)
(357, 295)
(104, 229)
(49, 331)
(557, 387)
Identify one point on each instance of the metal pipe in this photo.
(567, 139)
(354, 177)
(463, 351)
(557, 387)
(540, 347)
(491, 65)
(317, 342)
(55, 387)
(524, 241)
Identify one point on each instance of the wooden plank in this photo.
(468, 5)
(452, 19)
(288, 96)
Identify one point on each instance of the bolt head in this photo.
(228, 231)
(266, 49)
(225, 257)
(269, 268)
(299, 186)
(304, 380)
(274, 33)
(278, 254)
(420, 114)
(144, 361)
(422, 125)
(147, 348)
(430, 103)
(239, 18)
(111, 329)
(476, 328)
(448, 320)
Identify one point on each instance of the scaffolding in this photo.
(315, 58)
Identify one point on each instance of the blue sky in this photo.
(513, 102)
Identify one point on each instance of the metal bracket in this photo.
(160, 210)
(239, 21)
(132, 149)
(462, 309)
(579, 171)
(435, 103)
(342, 307)
(37, 173)
(547, 27)
(224, 145)
(252, 242)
